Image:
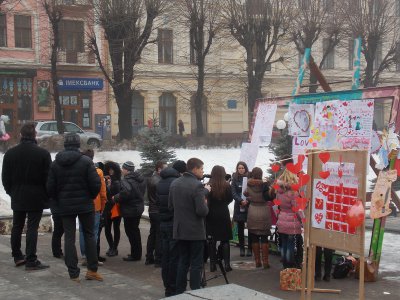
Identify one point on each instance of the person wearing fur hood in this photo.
(259, 215)
(289, 224)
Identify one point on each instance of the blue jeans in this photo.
(190, 255)
(287, 249)
(169, 258)
(97, 215)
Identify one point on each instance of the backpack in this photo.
(342, 268)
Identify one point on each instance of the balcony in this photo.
(73, 57)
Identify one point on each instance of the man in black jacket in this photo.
(73, 183)
(169, 263)
(131, 202)
(24, 176)
(153, 249)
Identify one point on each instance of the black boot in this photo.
(212, 251)
(226, 254)
(242, 252)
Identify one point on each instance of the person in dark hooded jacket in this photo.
(72, 184)
(112, 172)
(169, 258)
(131, 202)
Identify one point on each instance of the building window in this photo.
(232, 104)
(23, 31)
(329, 62)
(72, 36)
(165, 46)
(351, 54)
(378, 57)
(3, 31)
(167, 112)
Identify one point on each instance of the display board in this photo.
(334, 187)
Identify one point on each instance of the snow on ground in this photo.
(211, 157)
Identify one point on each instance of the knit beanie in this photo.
(180, 166)
(72, 140)
(129, 166)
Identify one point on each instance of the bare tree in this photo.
(315, 19)
(259, 26)
(202, 17)
(127, 26)
(54, 13)
(375, 23)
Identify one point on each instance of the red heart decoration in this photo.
(370, 104)
(303, 179)
(276, 187)
(340, 173)
(324, 157)
(324, 174)
(295, 209)
(302, 194)
(301, 203)
(295, 186)
(318, 217)
(303, 220)
(275, 167)
(277, 202)
(293, 168)
(325, 193)
(301, 158)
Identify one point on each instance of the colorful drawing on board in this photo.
(300, 119)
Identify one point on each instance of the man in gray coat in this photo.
(187, 199)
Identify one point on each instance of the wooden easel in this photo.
(314, 237)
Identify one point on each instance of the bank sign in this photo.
(80, 84)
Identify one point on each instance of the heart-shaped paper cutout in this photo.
(295, 209)
(302, 120)
(303, 220)
(276, 187)
(295, 186)
(293, 168)
(301, 203)
(303, 179)
(324, 174)
(324, 157)
(275, 167)
(277, 202)
(318, 217)
(301, 158)
(325, 193)
(340, 173)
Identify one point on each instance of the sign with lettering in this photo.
(80, 84)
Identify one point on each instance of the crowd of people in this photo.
(189, 220)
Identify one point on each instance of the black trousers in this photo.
(153, 249)
(71, 257)
(328, 255)
(190, 255)
(132, 230)
(19, 217)
(115, 223)
(170, 257)
(240, 226)
(58, 232)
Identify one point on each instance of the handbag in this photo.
(290, 279)
(115, 211)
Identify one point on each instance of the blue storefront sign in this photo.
(80, 84)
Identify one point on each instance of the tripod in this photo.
(219, 257)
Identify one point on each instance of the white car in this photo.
(48, 128)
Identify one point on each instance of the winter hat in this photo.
(180, 166)
(129, 166)
(72, 140)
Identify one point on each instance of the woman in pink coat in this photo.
(288, 224)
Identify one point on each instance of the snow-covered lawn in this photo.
(211, 157)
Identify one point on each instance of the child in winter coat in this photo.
(288, 224)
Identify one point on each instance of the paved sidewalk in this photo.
(134, 280)
(392, 224)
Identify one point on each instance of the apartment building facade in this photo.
(25, 80)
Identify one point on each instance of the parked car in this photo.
(48, 128)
